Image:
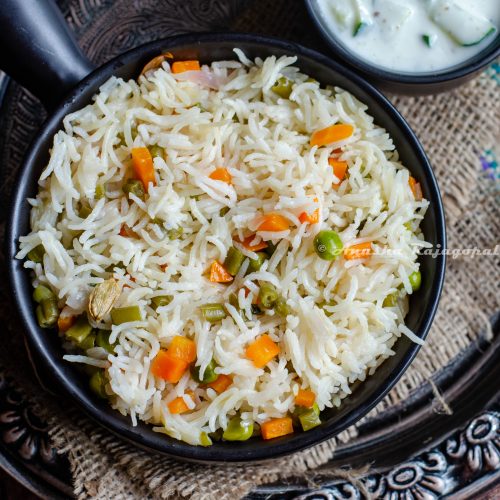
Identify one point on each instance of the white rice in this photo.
(263, 140)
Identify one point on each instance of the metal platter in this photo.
(415, 450)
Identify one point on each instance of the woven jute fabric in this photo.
(455, 128)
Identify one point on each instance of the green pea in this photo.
(135, 187)
(209, 374)
(310, 418)
(281, 308)
(79, 331)
(128, 314)
(98, 384)
(415, 280)
(268, 295)
(88, 342)
(102, 340)
(233, 261)
(256, 264)
(85, 211)
(36, 254)
(238, 430)
(328, 245)
(47, 313)
(175, 233)
(100, 192)
(41, 292)
(205, 439)
(213, 312)
(157, 151)
(391, 300)
(160, 301)
(283, 87)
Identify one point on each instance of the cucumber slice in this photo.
(464, 26)
(363, 16)
(429, 40)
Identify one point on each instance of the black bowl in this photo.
(208, 48)
(400, 82)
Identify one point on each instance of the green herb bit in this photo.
(100, 192)
(36, 254)
(213, 313)
(175, 233)
(233, 261)
(223, 211)
(128, 314)
(283, 87)
(209, 374)
(238, 430)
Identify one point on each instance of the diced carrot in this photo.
(415, 188)
(127, 232)
(64, 323)
(168, 367)
(178, 405)
(274, 222)
(276, 427)
(310, 218)
(262, 350)
(221, 383)
(330, 134)
(247, 243)
(360, 251)
(181, 66)
(218, 273)
(183, 348)
(143, 166)
(339, 169)
(221, 174)
(305, 398)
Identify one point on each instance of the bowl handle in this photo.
(38, 50)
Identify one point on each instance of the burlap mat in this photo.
(456, 129)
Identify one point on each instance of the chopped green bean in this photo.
(121, 315)
(88, 342)
(135, 187)
(233, 261)
(238, 430)
(41, 292)
(205, 439)
(281, 307)
(233, 300)
(310, 418)
(160, 301)
(256, 264)
(283, 87)
(391, 300)
(36, 254)
(328, 245)
(102, 340)
(268, 295)
(47, 313)
(223, 211)
(79, 331)
(100, 192)
(175, 233)
(209, 374)
(213, 312)
(157, 151)
(98, 384)
(415, 280)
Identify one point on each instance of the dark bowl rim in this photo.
(457, 72)
(109, 418)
